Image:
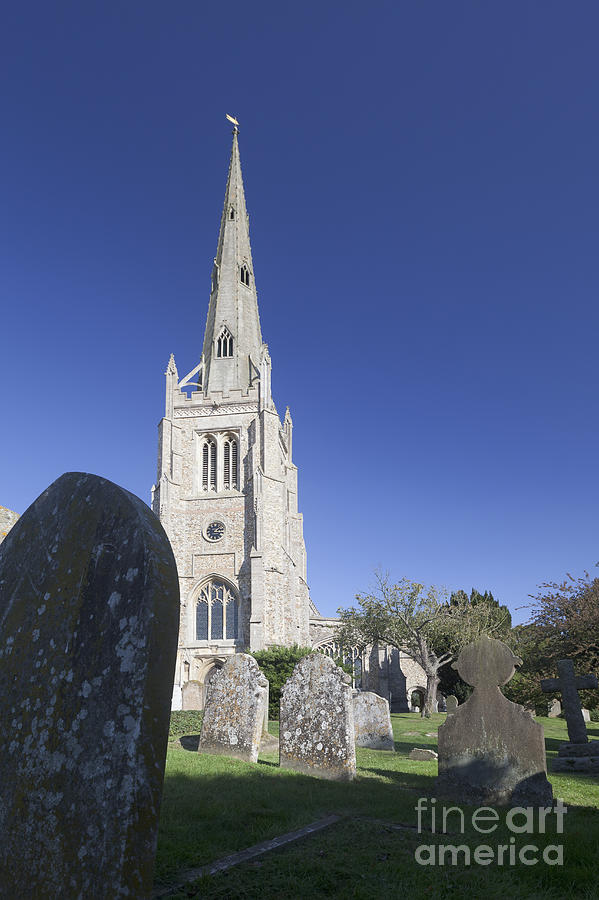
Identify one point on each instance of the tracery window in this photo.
(244, 275)
(217, 612)
(230, 481)
(224, 344)
(208, 464)
(219, 462)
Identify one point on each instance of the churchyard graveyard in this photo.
(215, 806)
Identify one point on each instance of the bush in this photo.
(278, 663)
(184, 721)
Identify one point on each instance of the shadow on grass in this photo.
(190, 742)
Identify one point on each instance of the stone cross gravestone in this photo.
(89, 616)
(490, 750)
(372, 721)
(579, 754)
(316, 733)
(451, 704)
(234, 712)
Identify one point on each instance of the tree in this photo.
(564, 623)
(278, 663)
(449, 679)
(417, 620)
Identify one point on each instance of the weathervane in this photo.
(234, 121)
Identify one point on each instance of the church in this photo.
(227, 493)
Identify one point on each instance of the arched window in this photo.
(209, 464)
(232, 213)
(244, 275)
(224, 344)
(217, 612)
(230, 468)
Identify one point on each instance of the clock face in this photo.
(215, 531)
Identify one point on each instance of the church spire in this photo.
(233, 340)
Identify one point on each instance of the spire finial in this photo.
(235, 123)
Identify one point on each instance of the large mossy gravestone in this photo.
(490, 749)
(372, 721)
(235, 709)
(89, 615)
(316, 729)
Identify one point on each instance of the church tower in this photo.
(226, 490)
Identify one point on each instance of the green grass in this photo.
(213, 806)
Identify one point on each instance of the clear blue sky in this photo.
(422, 185)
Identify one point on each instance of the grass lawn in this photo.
(213, 806)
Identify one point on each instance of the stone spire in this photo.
(233, 340)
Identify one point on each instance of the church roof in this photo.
(233, 339)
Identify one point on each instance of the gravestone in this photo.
(586, 715)
(555, 709)
(579, 754)
(490, 750)
(316, 734)
(372, 721)
(234, 712)
(451, 704)
(192, 695)
(89, 616)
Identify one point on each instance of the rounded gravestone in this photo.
(89, 613)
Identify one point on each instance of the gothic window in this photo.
(217, 612)
(224, 344)
(209, 464)
(230, 477)
(232, 213)
(244, 275)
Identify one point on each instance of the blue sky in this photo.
(422, 185)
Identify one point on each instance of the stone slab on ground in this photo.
(234, 711)
(423, 754)
(490, 749)
(372, 721)
(316, 734)
(89, 617)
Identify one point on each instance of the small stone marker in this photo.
(317, 720)
(192, 695)
(422, 754)
(451, 704)
(89, 613)
(579, 754)
(555, 709)
(490, 750)
(372, 721)
(234, 711)
(586, 715)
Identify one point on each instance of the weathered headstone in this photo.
(586, 715)
(372, 721)
(425, 755)
(234, 712)
(490, 750)
(89, 616)
(316, 734)
(451, 704)
(192, 695)
(579, 754)
(555, 709)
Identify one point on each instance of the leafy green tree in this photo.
(278, 663)
(500, 620)
(417, 620)
(564, 623)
